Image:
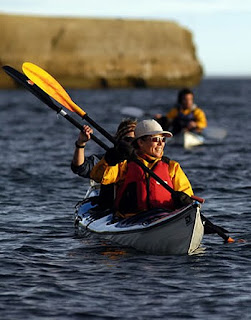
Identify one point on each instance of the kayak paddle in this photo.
(41, 95)
(50, 85)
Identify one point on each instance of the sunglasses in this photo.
(158, 139)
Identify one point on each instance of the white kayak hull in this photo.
(188, 139)
(156, 232)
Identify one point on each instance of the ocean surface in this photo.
(48, 271)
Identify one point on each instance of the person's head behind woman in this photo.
(125, 130)
(150, 138)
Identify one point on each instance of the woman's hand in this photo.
(84, 135)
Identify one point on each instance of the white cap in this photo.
(150, 128)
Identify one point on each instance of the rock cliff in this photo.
(91, 53)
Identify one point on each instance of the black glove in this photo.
(181, 199)
(112, 157)
(121, 152)
(125, 149)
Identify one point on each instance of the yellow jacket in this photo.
(199, 116)
(105, 174)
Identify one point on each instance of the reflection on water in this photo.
(198, 251)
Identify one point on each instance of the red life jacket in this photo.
(146, 192)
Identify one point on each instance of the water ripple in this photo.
(49, 272)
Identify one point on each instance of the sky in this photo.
(221, 28)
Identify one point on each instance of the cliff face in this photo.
(89, 53)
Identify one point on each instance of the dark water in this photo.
(48, 272)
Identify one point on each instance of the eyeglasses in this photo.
(158, 139)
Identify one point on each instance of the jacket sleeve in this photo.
(179, 179)
(84, 170)
(105, 174)
(200, 118)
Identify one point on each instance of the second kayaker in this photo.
(82, 165)
(186, 115)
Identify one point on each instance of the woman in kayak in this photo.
(184, 116)
(82, 165)
(136, 191)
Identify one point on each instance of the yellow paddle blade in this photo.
(50, 85)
